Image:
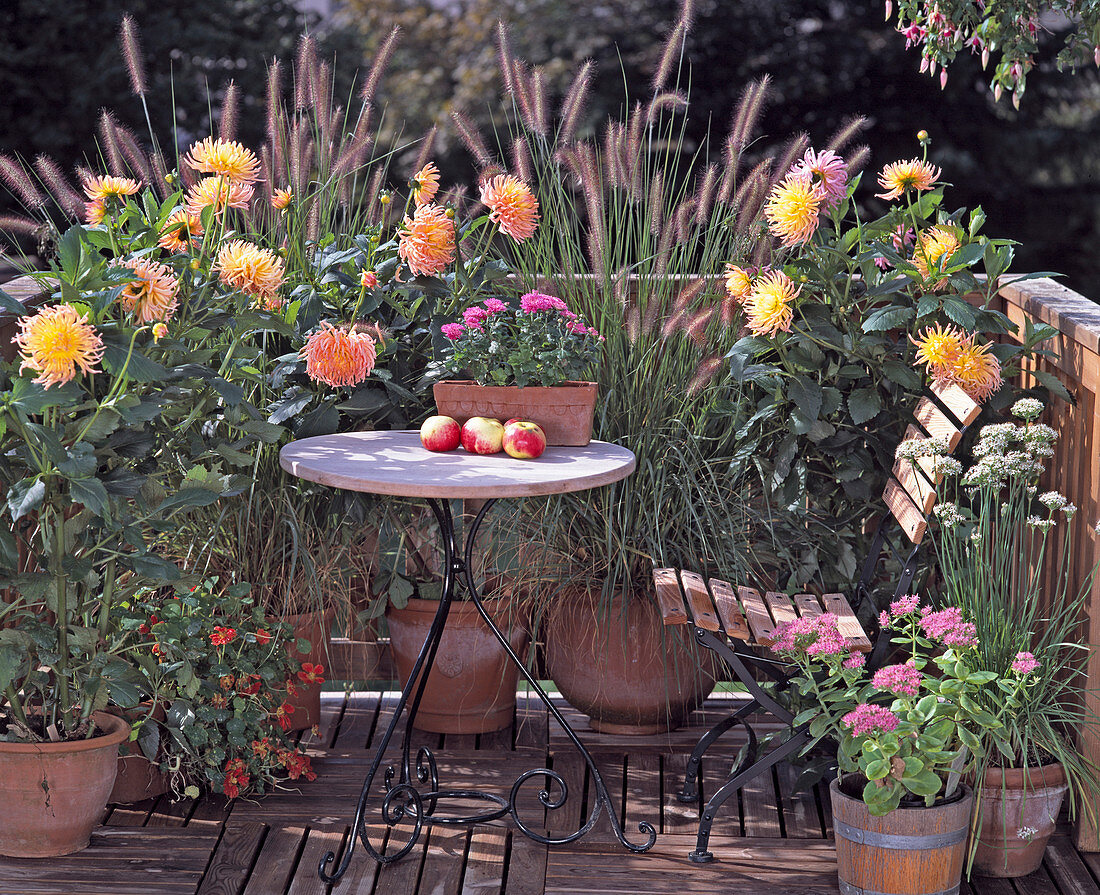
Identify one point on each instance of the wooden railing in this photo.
(1075, 471)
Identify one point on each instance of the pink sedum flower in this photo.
(901, 680)
(1025, 663)
(904, 605)
(947, 626)
(855, 660)
(867, 718)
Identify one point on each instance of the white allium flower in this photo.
(1052, 500)
(910, 449)
(1070, 510)
(947, 466)
(1027, 833)
(976, 536)
(1044, 525)
(1027, 408)
(948, 514)
(1040, 432)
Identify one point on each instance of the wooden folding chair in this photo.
(738, 623)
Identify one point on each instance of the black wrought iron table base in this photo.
(412, 791)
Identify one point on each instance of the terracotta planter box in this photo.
(564, 411)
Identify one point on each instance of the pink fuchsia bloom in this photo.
(494, 305)
(452, 331)
(855, 660)
(1024, 663)
(867, 718)
(533, 302)
(828, 173)
(901, 680)
(948, 627)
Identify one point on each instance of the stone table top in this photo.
(396, 463)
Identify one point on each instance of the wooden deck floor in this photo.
(769, 840)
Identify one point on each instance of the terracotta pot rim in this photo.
(1049, 775)
(569, 383)
(115, 730)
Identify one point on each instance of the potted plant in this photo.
(908, 733)
(88, 410)
(524, 362)
(224, 673)
(1000, 563)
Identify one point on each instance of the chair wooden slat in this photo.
(669, 598)
(901, 505)
(781, 607)
(756, 613)
(807, 605)
(965, 408)
(937, 424)
(849, 625)
(699, 602)
(922, 491)
(728, 611)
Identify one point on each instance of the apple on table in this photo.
(523, 439)
(483, 435)
(440, 433)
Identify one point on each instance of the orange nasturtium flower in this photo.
(55, 341)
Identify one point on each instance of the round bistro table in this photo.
(396, 463)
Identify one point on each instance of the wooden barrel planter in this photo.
(910, 851)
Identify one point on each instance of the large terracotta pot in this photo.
(1018, 809)
(564, 411)
(471, 687)
(622, 667)
(910, 851)
(52, 795)
(306, 700)
(138, 778)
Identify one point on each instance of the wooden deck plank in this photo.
(276, 862)
(485, 861)
(526, 866)
(668, 597)
(800, 817)
(357, 721)
(643, 792)
(761, 807)
(1066, 867)
(318, 843)
(698, 599)
(532, 723)
(676, 816)
(233, 859)
(756, 613)
(571, 768)
(398, 878)
(728, 611)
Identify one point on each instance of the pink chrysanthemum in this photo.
(474, 317)
(828, 173)
(537, 301)
(494, 305)
(453, 331)
(901, 680)
(338, 357)
(867, 718)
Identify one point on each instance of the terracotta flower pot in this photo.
(138, 778)
(622, 667)
(53, 794)
(306, 700)
(910, 851)
(564, 411)
(471, 687)
(1018, 809)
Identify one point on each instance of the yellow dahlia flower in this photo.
(225, 158)
(898, 178)
(792, 210)
(254, 271)
(512, 205)
(937, 347)
(281, 199)
(738, 283)
(152, 294)
(219, 192)
(426, 241)
(109, 187)
(932, 245)
(769, 308)
(54, 342)
(425, 184)
(975, 369)
(338, 357)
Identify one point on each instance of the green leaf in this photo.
(323, 420)
(188, 497)
(960, 312)
(231, 392)
(12, 305)
(138, 367)
(153, 567)
(877, 770)
(281, 411)
(893, 317)
(926, 783)
(91, 493)
(25, 497)
(966, 255)
(32, 398)
(1052, 384)
(903, 374)
(970, 739)
(267, 432)
(806, 394)
(864, 404)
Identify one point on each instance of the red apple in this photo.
(440, 433)
(524, 440)
(482, 435)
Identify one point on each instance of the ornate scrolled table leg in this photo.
(403, 801)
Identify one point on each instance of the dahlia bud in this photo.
(922, 136)
(889, 10)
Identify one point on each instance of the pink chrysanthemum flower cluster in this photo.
(533, 302)
(453, 331)
(901, 680)
(947, 626)
(1024, 663)
(867, 718)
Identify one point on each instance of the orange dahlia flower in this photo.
(338, 356)
(109, 187)
(898, 178)
(94, 212)
(426, 241)
(975, 369)
(512, 205)
(932, 245)
(179, 230)
(219, 192)
(425, 184)
(152, 294)
(225, 158)
(281, 199)
(55, 341)
(254, 271)
(738, 283)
